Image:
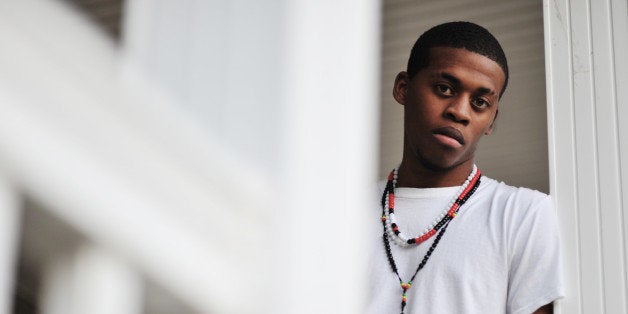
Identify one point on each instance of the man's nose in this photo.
(458, 109)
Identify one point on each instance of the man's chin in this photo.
(441, 165)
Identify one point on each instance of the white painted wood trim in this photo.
(587, 149)
(561, 142)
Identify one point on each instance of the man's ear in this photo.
(490, 127)
(400, 89)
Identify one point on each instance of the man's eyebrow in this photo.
(486, 91)
(456, 81)
(449, 77)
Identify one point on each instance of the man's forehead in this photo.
(458, 63)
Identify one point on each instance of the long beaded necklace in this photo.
(392, 230)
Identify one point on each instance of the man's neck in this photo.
(418, 176)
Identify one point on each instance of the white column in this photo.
(331, 96)
(9, 239)
(90, 280)
(586, 44)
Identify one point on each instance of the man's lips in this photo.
(450, 132)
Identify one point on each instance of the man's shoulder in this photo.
(515, 194)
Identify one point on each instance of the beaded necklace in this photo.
(388, 201)
(388, 217)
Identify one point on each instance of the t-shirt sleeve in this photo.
(535, 277)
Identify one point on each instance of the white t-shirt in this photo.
(500, 254)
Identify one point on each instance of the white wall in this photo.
(587, 75)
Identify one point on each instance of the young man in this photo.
(500, 252)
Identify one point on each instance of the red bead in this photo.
(426, 236)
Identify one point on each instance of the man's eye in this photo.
(444, 90)
(480, 103)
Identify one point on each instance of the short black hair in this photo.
(467, 35)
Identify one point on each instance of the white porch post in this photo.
(331, 95)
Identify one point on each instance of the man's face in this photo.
(449, 106)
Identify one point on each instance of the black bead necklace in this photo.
(390, 189)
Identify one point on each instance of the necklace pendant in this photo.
(404, 297)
